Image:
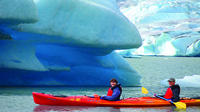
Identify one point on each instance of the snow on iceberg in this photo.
(148, 12)
(67, 46)
(177, 19)
(187, 81)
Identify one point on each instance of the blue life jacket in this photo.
(116, 93)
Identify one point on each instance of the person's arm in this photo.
(115, 95)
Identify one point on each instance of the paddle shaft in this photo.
(145, 91)
(164, 98)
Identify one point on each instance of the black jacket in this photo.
(176, 92)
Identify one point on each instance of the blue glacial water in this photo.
(152, 69)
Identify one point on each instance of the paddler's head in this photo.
(172, 81)
(113, 82)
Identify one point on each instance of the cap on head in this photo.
(113, 80)
(171, 80)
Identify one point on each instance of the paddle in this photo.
(179, 105)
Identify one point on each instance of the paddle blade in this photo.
(144, 90)
(180, 105)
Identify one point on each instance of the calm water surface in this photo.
(152, 70)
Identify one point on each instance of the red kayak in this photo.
(47, 99)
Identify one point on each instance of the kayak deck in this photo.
(47, 99)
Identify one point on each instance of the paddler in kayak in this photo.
(173, 91)
(114, 92)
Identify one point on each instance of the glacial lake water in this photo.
(152, 69)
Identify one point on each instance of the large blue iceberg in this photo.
(167, 28)
(65, 43)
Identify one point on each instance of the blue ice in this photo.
(65, 43)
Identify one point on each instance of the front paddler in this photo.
(114, 92)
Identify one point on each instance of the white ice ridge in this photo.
(187, 81)
(194, 49)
